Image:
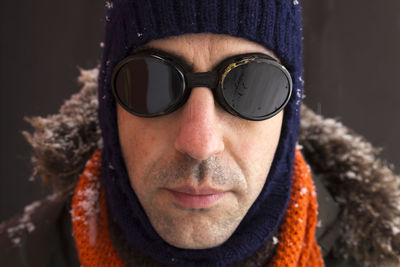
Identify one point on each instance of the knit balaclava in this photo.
(275, 24)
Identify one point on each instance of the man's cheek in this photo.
(135, 142)
(250, 148)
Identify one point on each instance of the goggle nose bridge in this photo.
(202, 79)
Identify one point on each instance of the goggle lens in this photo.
(148, 86)
(256, 89)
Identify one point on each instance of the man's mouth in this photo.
(196, 198)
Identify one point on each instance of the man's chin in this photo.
(197, 238)
(195, 228)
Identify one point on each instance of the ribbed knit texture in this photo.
(89, 219)
(275, 24)
(297, 245)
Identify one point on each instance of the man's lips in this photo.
(196, 198)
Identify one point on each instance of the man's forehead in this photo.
(204, 51)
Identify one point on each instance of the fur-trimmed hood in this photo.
(363, 185)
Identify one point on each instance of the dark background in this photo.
(352, 66)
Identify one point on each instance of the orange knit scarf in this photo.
(297, 245)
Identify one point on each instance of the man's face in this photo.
(198, 170)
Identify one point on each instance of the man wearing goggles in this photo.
(198, 164)
(202, 116)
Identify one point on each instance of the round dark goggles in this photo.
(152, 83)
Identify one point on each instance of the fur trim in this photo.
(62, 143)
(362, 184)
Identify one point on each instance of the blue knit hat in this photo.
(275, 24)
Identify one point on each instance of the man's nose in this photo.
(199, 135)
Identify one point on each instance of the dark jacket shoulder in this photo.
(40, 236)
